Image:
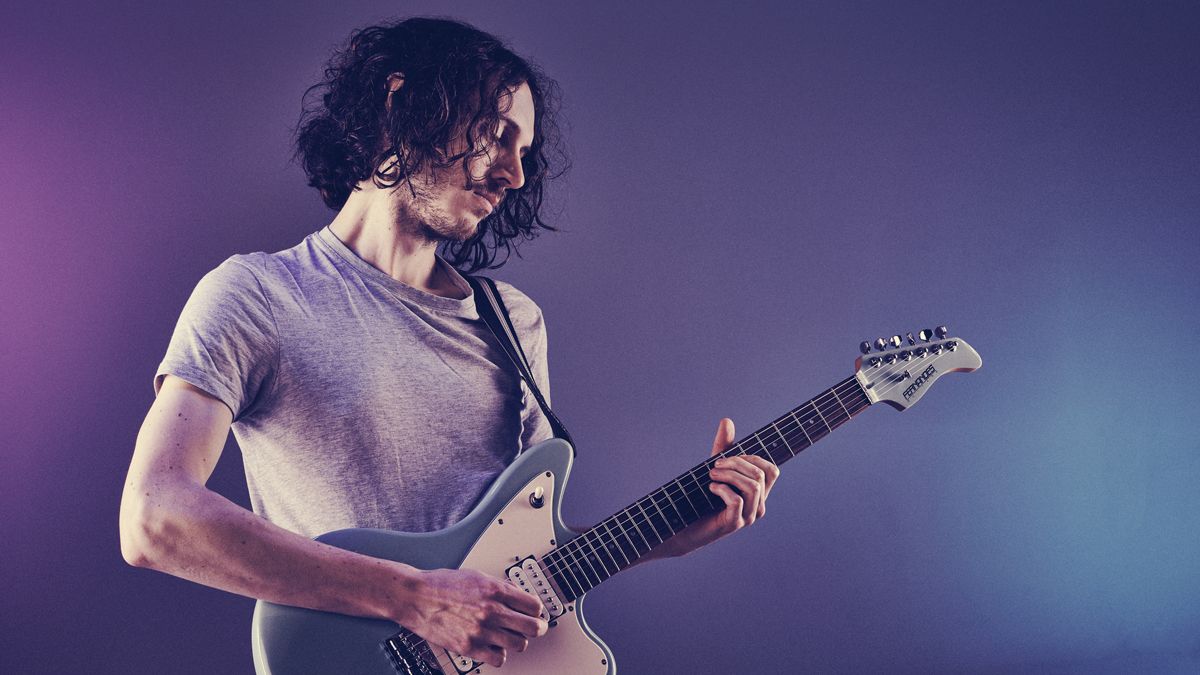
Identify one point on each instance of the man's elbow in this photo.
(143, 530)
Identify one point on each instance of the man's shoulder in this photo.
(524, 312)
(260, 270)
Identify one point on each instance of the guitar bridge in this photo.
(410, 655)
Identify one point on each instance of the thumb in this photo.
(724, 437)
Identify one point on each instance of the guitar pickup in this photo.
(528, 576)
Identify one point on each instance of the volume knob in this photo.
(537, 499)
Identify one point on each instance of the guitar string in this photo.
(596, 542)
(680, 487)
(729, 452)
(677, 488)
(825, 404)
(575, 547)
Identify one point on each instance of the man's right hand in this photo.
(472, 614)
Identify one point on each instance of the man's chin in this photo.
(465, 231)
(457, 233)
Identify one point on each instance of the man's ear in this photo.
(394, 82)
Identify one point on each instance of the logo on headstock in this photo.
(919, 382)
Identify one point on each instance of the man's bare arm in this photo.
(172, 523)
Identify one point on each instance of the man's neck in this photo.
(369, 225)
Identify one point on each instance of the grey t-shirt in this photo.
(358, 401)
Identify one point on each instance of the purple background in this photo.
(755, 191)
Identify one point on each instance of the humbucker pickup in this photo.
(529, 577)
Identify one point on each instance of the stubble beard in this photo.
(426, 212)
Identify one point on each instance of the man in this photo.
(353, 368)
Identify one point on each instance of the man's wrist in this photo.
(392, 591)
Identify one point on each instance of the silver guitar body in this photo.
(507, 526)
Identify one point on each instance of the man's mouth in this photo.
(492, 200)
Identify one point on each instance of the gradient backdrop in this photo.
(755, 190)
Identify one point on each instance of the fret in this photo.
(590, 577)
(632, 524)
(604, 541)
(571, 577)
(839, 400)
(673, 500)
(646, 516)
(800, 424)
(712, 500)
(828, 428)
(553, 570)
(694, 512)
(859, 397)
(838, 418)
(786, 444)
(757, 438)
(670, 514)
(568, 579)
(619, 537)
(659, 521)
(615, 542)
(771, 450)
(592, 555)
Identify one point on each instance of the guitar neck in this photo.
(624, 537)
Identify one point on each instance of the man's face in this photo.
(449, 205)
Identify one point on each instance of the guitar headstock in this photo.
(898, 371)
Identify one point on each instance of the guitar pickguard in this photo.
(519, 531)
(506, 533)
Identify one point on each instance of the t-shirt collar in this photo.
(464, 307)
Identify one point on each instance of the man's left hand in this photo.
(742, 482)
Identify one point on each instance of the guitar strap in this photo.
(495, 315)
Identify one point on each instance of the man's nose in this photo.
(508, 168)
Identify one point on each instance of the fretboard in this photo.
(620, 540)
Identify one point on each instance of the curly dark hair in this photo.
(454, 77)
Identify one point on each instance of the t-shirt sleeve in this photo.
(226, 340)
(535, 351)
(531, 331)
(537, 427)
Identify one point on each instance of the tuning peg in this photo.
(880, 344)
(865, 347)
(941, 332)
(895, 341)
(911, 341)
(925, 335)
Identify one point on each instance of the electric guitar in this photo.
(516, 532)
